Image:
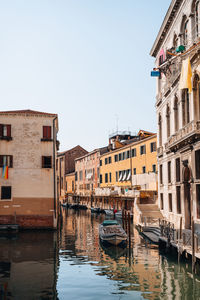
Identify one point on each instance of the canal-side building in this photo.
(87, 172)
(65, 166)
(131, 169)
(70, 184)
(28, 146)
(176, 51)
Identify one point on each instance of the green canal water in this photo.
(71, 264)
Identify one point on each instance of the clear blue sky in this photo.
(87, 60)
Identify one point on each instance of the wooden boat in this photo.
(111, 233)
(97, 210)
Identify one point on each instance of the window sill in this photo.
(5, 200)
(6, 138)
(46, 167)
(46, 140)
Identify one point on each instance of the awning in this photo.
(120, 177)
(186, 76)
(129, 175)
(124, 177)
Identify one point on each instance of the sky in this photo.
(86, 60)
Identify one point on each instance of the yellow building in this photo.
(133, 166)
(70, 183)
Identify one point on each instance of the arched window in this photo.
(168, 120)
(160, 129)
(184, 31)
(195, 18)
(185, 107)
(175, 41)
(176, 117)
(196, 97)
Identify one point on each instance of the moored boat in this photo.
(111, 233)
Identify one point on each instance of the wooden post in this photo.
(184, 239)
(129, 228)
(193, 247)
(180, 234)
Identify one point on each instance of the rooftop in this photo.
(27, 112)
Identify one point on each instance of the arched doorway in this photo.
(187, 195)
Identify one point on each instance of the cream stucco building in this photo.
(28, 195)
(177, 58)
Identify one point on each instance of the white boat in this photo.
(111, 233)
(109, 212)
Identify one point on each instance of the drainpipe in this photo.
(54, 169)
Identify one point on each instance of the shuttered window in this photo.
(5, 131)
(47, 132)
(6, 160)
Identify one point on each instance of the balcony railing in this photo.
(185, 132)
(160, 151)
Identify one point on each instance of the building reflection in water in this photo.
(28, 265)
(140, 269)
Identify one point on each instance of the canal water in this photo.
(71, 264)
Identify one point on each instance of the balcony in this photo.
(160, 151)
(184, 136)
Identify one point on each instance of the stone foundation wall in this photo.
(28, 222)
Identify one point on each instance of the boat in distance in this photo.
(112, 233)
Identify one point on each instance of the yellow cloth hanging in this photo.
(186, 76)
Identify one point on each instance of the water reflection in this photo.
(28, 263)
(136, 273)
(71, 264)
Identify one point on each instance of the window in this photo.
(123, 155)
(80, 175)
(76, 176)
(106, 177)
(134, 171)
(161, 201)
(46, 162)
(161, 175)
(72, 186)
(176, 117)
(153, 147)
(197, 164)
(178, 199)
(6, 192)
(46, 132)
(106, 161)
(133, 152)
(160, 129)
(169, 171)
(142, 149)
(6, 160)
(109, 159)
(100, 162)
(198, 200)
(116, 173)
(120, 156)
(128, 154)
(100, 178)
(116, 157)
(5, 131)
(144, 169)
(185, 107)
(110, 177)
(154, 168)
(168, 120)
(170, 202)
(178, 170)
